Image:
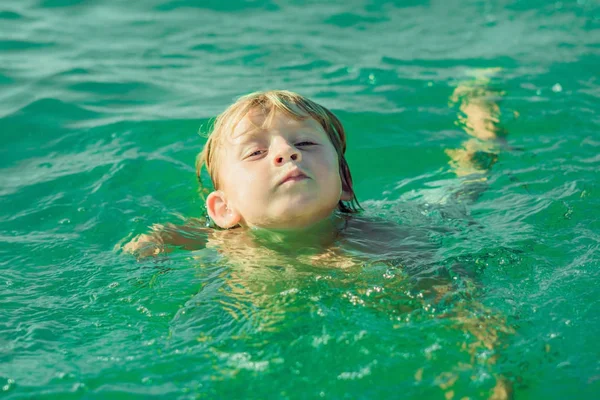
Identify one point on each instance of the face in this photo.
(282, 176)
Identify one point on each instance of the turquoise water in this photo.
(100, 107)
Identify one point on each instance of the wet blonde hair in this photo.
(292, 105)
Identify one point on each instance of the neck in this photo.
(318, 235)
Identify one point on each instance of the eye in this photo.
(305, 143)
(255, 154)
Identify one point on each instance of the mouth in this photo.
(294, 175)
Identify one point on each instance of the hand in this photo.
(145, 245)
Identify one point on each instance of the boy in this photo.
(276, 160)
(277, 164)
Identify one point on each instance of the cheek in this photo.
(245, 183)
(331, 165)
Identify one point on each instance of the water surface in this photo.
(100, 107)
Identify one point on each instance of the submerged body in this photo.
(283, 198)
(276, 162)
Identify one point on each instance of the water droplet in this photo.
(372, 79)
(64, 221)
(78, 386)
(144, 311)
(564, 364)
(490, 19)
(557, 88)
(9, 383)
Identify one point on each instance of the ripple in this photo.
(48, 112)
(207, 47)
(108, 98)
(54, 167)
(10, 15)
(18, 45)
(436, 63)
(109, 87)
(345, 20)
(217, 5)
(61, 3)
(6, 80)
(77, 71)
(305, 66)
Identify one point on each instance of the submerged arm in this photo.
(479, 117)
(166, 238)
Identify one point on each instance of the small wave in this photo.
(479, 62)
(74, 72)
(10, 15)
(17, 45)
(306, 66)
(346, 20)
(47, 112)
(98, 88)
(217, 5)
(5, 79)
(61, 3)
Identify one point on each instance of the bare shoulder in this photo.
(387, 239)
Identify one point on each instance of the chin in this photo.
(296, 211)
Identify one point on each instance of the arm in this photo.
(479, 117)
(166, 238)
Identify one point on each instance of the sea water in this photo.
(101, 103)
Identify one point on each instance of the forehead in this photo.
(256, 122)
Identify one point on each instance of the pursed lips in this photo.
(294, 175)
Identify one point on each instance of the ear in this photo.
(219, 211)
(347, 195)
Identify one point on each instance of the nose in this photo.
(285, 153)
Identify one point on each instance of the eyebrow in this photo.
(248, 135)
(254, 132)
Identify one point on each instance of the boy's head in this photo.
(276, 160)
